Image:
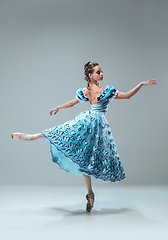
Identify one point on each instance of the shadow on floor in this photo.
(103, 211)
(109, 215)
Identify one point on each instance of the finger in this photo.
(154, 81)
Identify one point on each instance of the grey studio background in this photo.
(44, 46)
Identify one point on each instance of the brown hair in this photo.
(88, 68)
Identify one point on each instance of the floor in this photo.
(49, 211)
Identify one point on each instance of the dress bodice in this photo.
(100, 106)
(104, 97)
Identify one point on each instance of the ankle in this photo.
(90, 192)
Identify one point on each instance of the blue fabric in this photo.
(85, 144)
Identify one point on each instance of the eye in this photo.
(98, 72)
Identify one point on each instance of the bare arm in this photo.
(65, 105)
(133, 91)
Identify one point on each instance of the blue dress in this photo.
(85, 144)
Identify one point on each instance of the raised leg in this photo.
(90, 195)
(27, 137)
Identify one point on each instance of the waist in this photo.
(100, 107)
(102, 111)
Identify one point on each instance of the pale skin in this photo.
(92, 93)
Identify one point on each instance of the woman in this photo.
(85, 145)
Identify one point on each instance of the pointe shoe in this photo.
(17, 136)
(90, 201)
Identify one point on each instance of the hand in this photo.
(149, 82)
(55, 110)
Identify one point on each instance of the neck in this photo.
(93, 82)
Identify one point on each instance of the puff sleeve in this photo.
(112, 93)
(80, 96)
(108, 93)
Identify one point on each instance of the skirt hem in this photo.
(79, 171)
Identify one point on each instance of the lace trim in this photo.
(78, 98)
(81, 96)
(84, 93)
(102, 91)
(98, 95)
(114, 95)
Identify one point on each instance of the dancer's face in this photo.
(97, 74)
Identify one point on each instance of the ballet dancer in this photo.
(85, 144)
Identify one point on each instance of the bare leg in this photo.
(90, 195)
(27, 137)
(87, 181)
(31, 136)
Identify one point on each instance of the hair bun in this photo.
(87, 64)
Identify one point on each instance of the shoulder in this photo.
(81, 96)
(109, 92)
(112, 92)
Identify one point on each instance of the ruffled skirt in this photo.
(85, 145)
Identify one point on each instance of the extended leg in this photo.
(90, 195)
(27, 137)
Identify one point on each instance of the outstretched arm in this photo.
(65, 105)
(133, 91)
